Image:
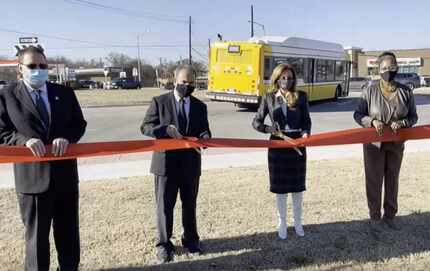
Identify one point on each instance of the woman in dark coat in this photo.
(288, 111)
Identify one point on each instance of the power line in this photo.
(52, 37)
(97, 45)
(158, 46)
(201, 56)
(199, 53)
(126, 12)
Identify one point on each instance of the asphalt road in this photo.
(123, 123)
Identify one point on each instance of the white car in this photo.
(425, 80)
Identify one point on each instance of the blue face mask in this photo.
(35, 78)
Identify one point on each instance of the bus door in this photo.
(347, 77)
(309, 77)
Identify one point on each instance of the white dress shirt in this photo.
(284, 104)
(43, 94)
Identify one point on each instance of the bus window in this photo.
(268, 67)
(325, 70)
(296, 63)
(340, 70)
(308, 70)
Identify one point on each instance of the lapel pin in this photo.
(56, 98)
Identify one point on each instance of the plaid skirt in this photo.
(287, 169)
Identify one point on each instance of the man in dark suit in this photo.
(34, 113)
(176, 115)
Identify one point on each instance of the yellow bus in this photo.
(239, 71)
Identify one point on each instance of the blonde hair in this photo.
(292, 96)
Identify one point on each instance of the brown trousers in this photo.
(382, 167)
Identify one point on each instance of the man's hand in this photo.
(379, 126)
(396, 126)
(305, 135)
(205, 135)
(173, 132)
(59, 146)
(36, 146)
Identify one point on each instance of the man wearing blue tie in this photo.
(34, 113)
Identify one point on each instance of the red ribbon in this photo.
(17, 154)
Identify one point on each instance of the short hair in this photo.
(21, 51)
(386, 54)
(186, 67)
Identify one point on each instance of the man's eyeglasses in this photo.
(35, 66)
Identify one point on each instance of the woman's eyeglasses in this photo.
(35, 66)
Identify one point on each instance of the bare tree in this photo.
(119, 60)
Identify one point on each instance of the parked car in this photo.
(88, 84)
(358, 83)
(412, 80)
(123, 83)
(425, 80)
(2, 84)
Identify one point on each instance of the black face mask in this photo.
(184, 90)
(388, 76)
(287, 84)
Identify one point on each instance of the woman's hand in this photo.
(379, 126)
(395, 126)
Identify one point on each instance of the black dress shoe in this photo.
(164, 253)
(194, 248)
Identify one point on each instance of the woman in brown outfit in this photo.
(385, 104)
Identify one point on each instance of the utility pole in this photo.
(189, 42)
(138, 58)
(252, 21)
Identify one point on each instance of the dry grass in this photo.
(237, 220)
(122, 97)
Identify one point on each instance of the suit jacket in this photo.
(20, 121)
(297, 118)
(162, 113)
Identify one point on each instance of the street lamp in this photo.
(261, 25)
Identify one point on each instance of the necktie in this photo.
(182, 117)
(41, 108)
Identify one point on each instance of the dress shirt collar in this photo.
(43, 88)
